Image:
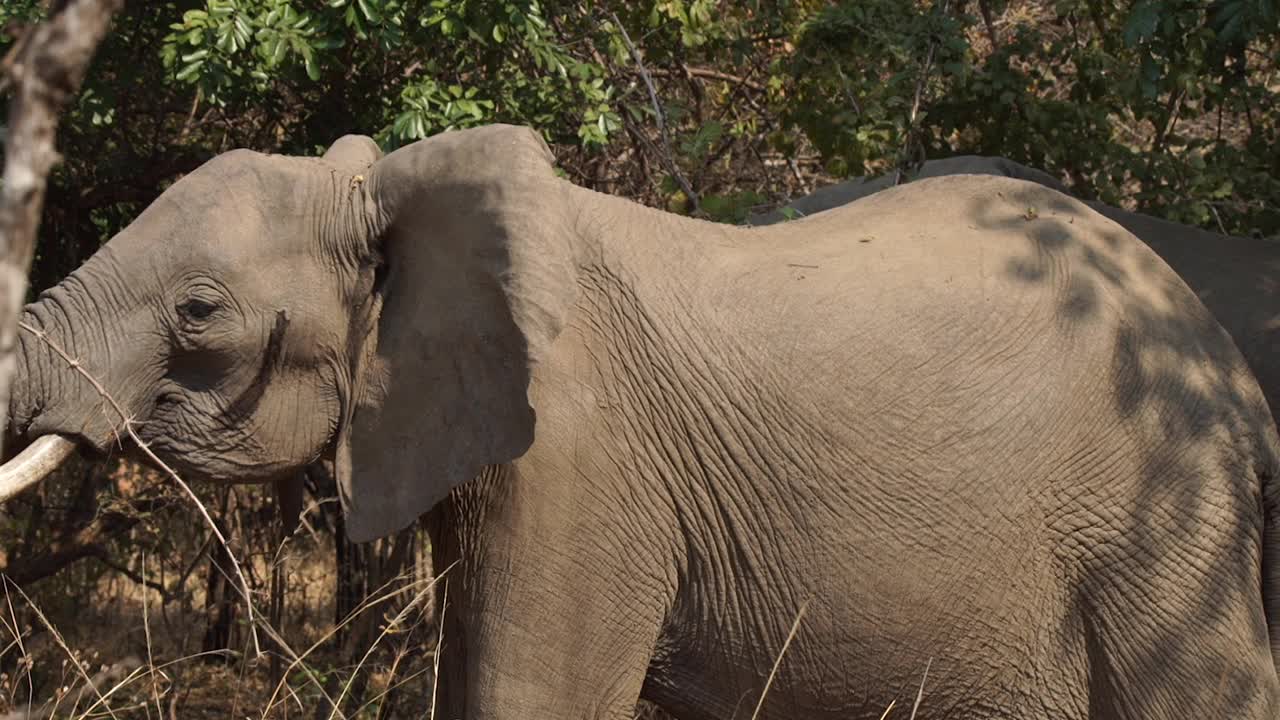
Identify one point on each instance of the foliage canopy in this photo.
(1169, 105)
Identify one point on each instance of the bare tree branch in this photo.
(908, 141)
(85, 542)
(668, 156)
(90, 535)
(45, 67)
(710, 74)
(984, 6)
(127, 424)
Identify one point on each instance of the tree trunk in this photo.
(220, 597)
(46, 67)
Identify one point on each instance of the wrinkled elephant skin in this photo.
(1237, 278)
(928, 430)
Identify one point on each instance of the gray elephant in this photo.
(832, 196)
(1235, 277)
(663, 456)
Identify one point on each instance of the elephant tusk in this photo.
(33, 464)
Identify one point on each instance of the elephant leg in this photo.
(552, 628)
(521, 663)
(1183, 647)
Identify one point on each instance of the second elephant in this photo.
(1235, 277)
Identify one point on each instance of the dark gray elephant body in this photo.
(927, 431)
(1237, 278)
(843, 193)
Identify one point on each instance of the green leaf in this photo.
(226, 42)
(1142, 22)
(370, 12)
(1150, 74)
(188, 73)
(274, 50)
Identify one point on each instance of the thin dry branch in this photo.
(777, 662)
(151, 661)
(127, 424)
(369, 602)
(57, 636)
(920, 693)
(710, 74)
(988, 21)
(668, 156)
(45, 67)
(395, 622)
(909, 137)
(16, 629)
(89, 540)
(435, 658)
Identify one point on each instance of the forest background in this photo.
(703, 107)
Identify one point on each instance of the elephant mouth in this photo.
(47, 453)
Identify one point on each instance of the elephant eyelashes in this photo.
(196, 310)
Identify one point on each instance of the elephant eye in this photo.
(196, 309)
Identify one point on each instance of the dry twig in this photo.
(435, 659)
(777, 662)
(151, 662)
(668, 156)
(255, 620)
(909, 137)
(920, 693)
(399, 618)
(370, 601)
(57, 636)
(127, 424)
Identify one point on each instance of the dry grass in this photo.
(117, 659)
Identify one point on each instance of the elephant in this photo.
(842, 193)
(926, 441)
(1235, 277)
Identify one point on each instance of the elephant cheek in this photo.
(294, 425)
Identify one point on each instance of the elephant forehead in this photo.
(241, 185)
(222, 218)
(175, 231)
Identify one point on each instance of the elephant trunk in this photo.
(48, 452)
(25, 394)
(49, 402)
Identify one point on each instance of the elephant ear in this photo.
(476, 278)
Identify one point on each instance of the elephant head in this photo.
(266, 311)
